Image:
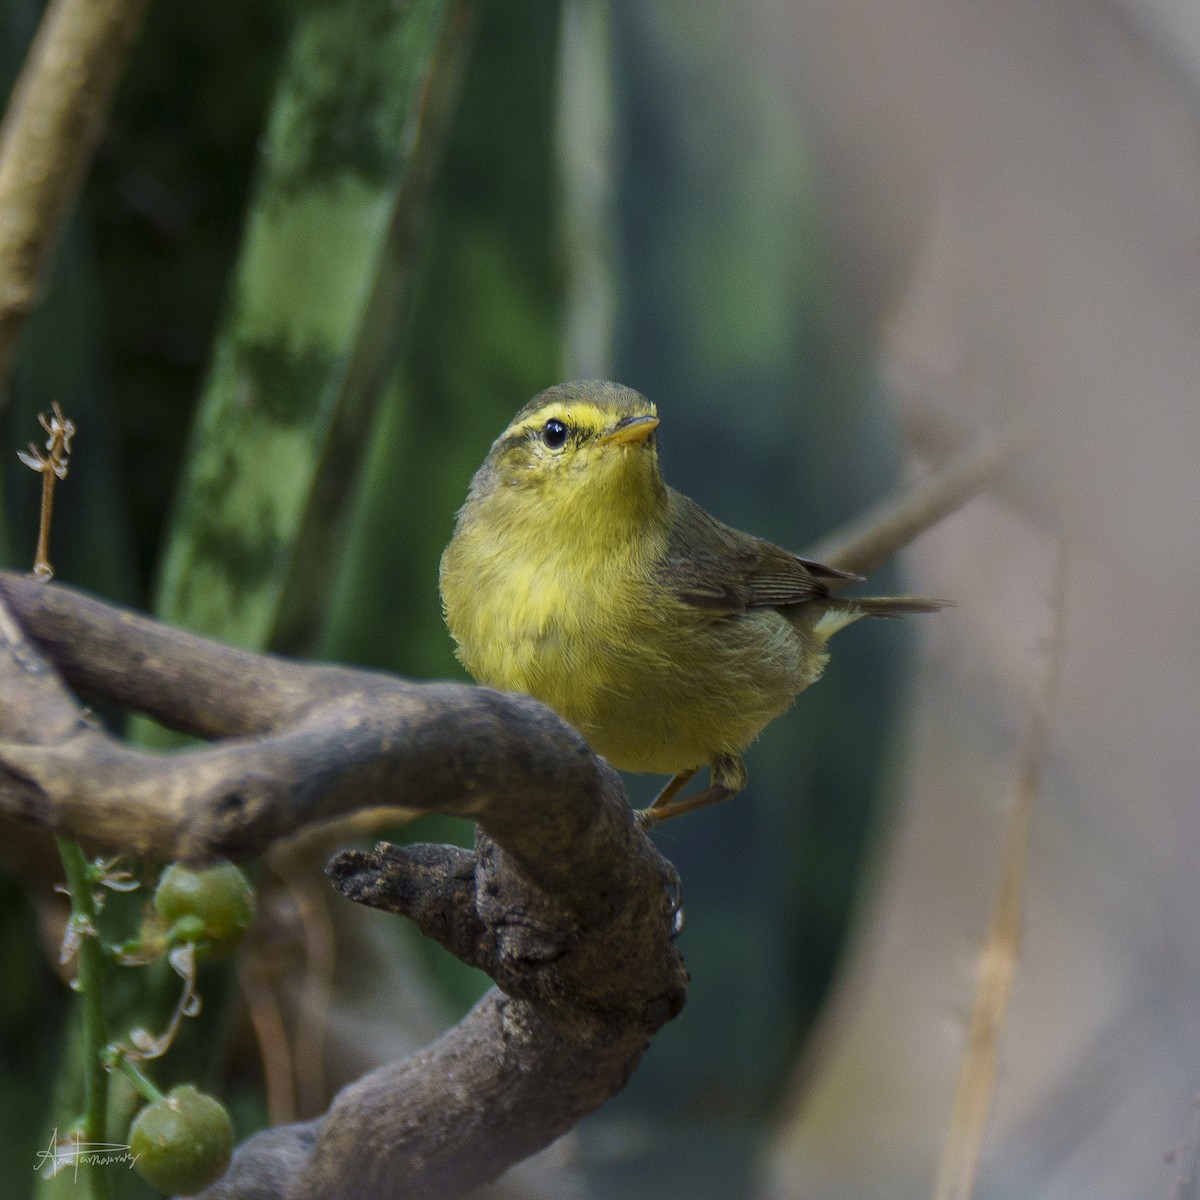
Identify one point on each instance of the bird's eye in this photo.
(554, 433)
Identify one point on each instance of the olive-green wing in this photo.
(711, 566)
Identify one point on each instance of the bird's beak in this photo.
(629, 431)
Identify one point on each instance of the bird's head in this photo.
(581, 450)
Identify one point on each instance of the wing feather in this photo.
(711, 566)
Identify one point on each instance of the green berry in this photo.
(183, 1142)
(214, 904)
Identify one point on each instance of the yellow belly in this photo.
(653, 684)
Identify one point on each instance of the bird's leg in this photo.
(728, 777)
(672, 788)
(647, 818)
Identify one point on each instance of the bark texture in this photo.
(564, 902)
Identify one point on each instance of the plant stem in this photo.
(145, 1086)
(56, 114)
(90, 986)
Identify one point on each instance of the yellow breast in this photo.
(540, 616)
(653, 684)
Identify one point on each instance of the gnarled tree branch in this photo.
(564, 903)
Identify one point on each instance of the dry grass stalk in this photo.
(1001, 952)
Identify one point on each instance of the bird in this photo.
(575, 574)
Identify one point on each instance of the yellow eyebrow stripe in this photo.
(581, 416)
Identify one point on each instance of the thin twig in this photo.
(1000, 955)
(58, 110)
(316, 988)
(52, 466)
(868, 542)
(274, 1051)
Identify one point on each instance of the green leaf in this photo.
(315, 320)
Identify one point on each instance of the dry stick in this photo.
(868, 542)
(292, 859)
(320, 961)
(998, 960)
(52, 466)
(274, 1050)
(58, 110)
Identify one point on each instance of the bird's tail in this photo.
(845, 610)
(893, 606)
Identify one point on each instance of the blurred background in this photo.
(831, 242)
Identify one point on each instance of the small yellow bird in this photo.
(576, 575)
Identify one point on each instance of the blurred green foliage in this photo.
(484, 332)
(355, 347)
(319, 305)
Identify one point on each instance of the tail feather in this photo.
(845, 610)
(894, 606)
